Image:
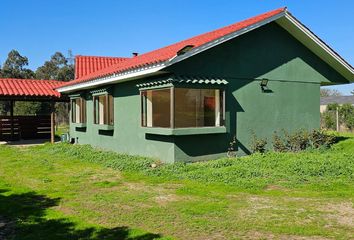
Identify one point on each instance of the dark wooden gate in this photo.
(24, 127)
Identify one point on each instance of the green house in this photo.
(188, 101)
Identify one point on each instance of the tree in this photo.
(57, 68)
(325, 92)
(14, 66)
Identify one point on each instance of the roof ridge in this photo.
(91, 56)
(30, 79)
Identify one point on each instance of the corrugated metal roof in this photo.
(185, 80)
(166, 53)
(337, 99)
(29, 87)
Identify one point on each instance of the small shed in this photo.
(14, 127)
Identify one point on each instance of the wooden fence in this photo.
(24, 127)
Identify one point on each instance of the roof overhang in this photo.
(284, 19)
(115, 78)
(316, 45)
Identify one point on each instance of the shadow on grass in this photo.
(338, 139)
(22, 216)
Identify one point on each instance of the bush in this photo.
(319, 139)
(346, 112)
(301, 140)
(278, 143)
(258, 145)
(328, 120)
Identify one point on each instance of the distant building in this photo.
(335, 99)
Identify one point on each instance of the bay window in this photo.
(182, 107)
(78, 110)
(103, 109)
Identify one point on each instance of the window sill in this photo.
(105, 127)
(79, 125)
(184, 131)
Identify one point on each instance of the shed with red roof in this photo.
(28, 127)
(189, 100)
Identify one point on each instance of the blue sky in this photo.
(38, 28)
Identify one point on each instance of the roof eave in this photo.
(115, 78)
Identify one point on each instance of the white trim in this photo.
(129, 75)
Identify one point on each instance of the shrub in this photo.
(298, 141)
(328, 120)
(319, 139)
(278, 143)
(301, 140)
(346, 112)
(258, 145)
(231, 152)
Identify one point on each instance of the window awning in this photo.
(184, 80)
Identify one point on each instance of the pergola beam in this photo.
(52, 122)
(12, 118)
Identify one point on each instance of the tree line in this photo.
(58, 67)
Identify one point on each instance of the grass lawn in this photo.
(64, 191)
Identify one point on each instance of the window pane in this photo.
(104, 109)
(143, 109)
(111, 110)
(96, 110)
(83, 110)
(73, 111)
(196, 107)
(192, 108)
(101, 108)
(77, 110)
(156, 108)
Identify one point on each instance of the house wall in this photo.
(128, 137)
(291, 101)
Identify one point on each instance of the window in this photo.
(78, 110)
(103, 109)
(182, 108)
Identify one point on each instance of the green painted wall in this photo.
(291, 102)
(127, 137)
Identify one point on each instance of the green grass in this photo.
(67, 191)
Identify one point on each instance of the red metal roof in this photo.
(85, 65)
(11, 87)
(165, 53)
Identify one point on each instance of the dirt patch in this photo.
(264, 235)
(65, 210)
(107, 175)
(342, 213)
(163, 200)
(275, 188)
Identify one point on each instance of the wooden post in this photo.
(172, 107)
(52, 123)
(337, 119)
(12, 118)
